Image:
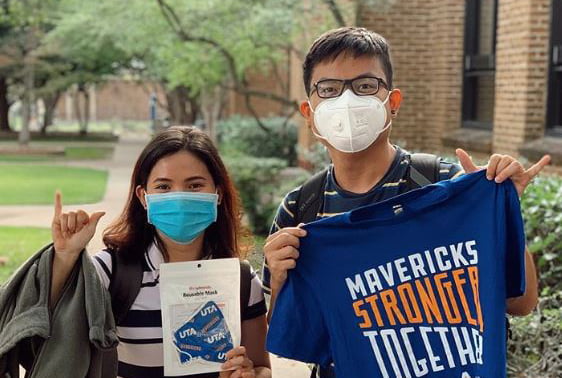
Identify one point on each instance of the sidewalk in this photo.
(120, 168)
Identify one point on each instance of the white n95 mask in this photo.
(350, 123)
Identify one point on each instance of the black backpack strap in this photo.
(310, 197)
(126, 280)
(424, 170)
(245, 285)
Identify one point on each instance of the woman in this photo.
(182, 161)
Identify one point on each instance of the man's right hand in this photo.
(281, 251)
(72, 231)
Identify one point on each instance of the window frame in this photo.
(475, 65)
(554, 99)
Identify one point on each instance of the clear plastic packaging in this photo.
(200, 314)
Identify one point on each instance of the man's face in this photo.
(346, 67)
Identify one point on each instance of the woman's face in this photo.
(179, 172)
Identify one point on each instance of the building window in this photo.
(479, 63)
(554, 108)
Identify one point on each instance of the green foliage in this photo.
(317, 156)
(535, 349)
(17, 244)
(249, 33)
(256, 180)
(36, 184)
(542, 211)
(244, 134)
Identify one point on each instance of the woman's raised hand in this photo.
(72, 231)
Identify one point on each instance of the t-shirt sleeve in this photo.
(103, 263)
(297, 329)
(285, 217)
(256, 300)
(514, 244)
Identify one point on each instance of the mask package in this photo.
(200, 303)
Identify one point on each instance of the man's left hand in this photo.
(502, 167)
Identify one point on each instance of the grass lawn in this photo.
(17, 244)
(70, 153)
(36, 184)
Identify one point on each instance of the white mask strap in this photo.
(314, 126)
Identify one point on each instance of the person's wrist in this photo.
(276, 285)
(67, 256)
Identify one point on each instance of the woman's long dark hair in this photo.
(131, 233)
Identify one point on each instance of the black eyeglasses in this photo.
(361, 86)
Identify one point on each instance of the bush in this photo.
(256, 180)
(243, 134)
(316, 156)
(542, 211)
(535, 349)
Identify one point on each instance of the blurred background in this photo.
(84, 84)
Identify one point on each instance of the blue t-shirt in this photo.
(413, 286)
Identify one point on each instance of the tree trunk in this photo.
(86, 119)
(76, 104)
(82, 108)
(182, 107)
(50, 102)
(24, 135)
(4, 105)
(212, 104)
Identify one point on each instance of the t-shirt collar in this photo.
(154, 258)
(398, 158)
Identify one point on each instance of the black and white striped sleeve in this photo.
(256, 302)
(103, 264)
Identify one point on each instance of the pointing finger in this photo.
(466, 161)
(58, 204)
(538, 166)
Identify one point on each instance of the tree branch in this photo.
(255, 114)
(240, 85)
(289, 116)
(336, 12)
(175, 23)
(266, 95)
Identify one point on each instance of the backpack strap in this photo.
(424, 170)
(126, 280)
(245, 285)
(310, 197)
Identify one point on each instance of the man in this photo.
(350, 107)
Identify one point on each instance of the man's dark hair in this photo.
(357, 42)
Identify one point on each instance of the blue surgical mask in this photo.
(181, 216)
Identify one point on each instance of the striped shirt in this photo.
(140, 349)
(338, 200)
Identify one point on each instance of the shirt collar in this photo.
(154, 258)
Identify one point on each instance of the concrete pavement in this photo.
(120, 167)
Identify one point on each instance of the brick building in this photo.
(481, 74)
(485, 75)
(116, 99)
